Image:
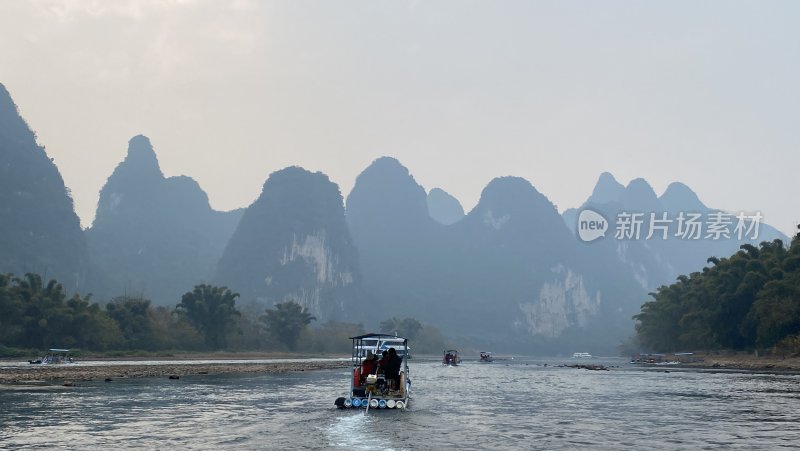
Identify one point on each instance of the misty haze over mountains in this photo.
(509, 274)
(655, 262)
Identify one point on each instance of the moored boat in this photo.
(486, 357)
(54, 356)
(374, 384)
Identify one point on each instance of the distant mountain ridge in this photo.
(607, 189)
(444, 208)
(655, 261)
(387, 215)
(39, 230)
(292, 244)
(154, 235)
(510, 274)
(679, 197)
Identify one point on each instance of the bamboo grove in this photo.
(750, 300)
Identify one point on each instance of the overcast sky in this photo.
(707, 93)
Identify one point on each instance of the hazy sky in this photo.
(707, 93)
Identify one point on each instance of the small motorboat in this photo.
(54, 356)
(486, 357)
(378, 389)
(451, 358)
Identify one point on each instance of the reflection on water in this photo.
(490, 406)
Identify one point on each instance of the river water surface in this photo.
(503, 405)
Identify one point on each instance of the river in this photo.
(515, 404)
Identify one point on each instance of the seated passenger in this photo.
(383, 362)
(368, 366)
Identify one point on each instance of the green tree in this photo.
(132, 317)
(10, 311)
(751, 298)
(775, 319)
(88, 326)
(286, 322)
(776, 313)
(172, 330)
(44, 313)
(43, 316)
(211, 310)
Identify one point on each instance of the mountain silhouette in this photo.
(607, 189)
(655, 261)
(292, 244)
(541, 286)
(679, 197)
(39, 230)
(444, 208)
(154, 235)
(509, 271)
(387, 214)
(640, 197)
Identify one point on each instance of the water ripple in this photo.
(496, 406)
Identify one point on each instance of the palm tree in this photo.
(210, 310)
(286, 322)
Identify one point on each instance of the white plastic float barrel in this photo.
(348, 402)
(390, 403)
(400, 405)
(373, 404)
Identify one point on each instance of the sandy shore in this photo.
(76, 373)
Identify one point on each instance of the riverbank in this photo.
(749, 362)
(120, 369)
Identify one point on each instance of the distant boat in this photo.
(486, 357)
(54, 356)
(451, 358)
(581, 355)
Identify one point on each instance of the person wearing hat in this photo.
(368, 366)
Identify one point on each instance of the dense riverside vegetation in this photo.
(35, 315)
(750, 300)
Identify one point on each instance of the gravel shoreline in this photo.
(749, 363)
(75, 373)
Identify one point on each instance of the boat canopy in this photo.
(361, 337)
